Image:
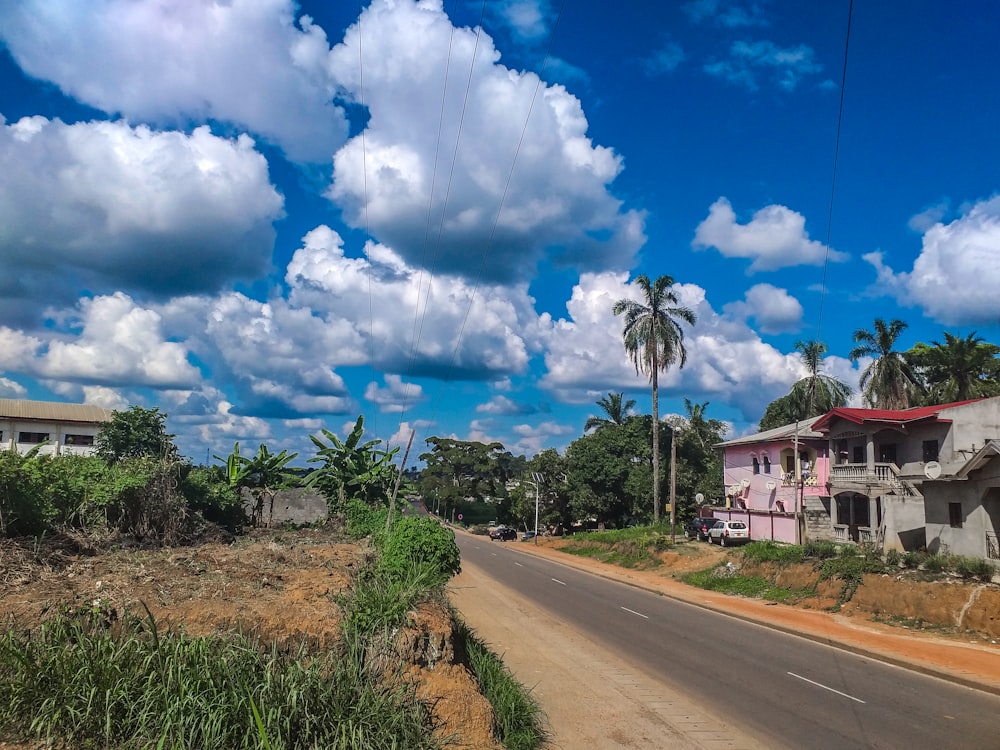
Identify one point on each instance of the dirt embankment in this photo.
(279, 586)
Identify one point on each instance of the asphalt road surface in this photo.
(788, 691)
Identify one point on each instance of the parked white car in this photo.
(729, 532)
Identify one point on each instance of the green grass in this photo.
(518, 716)
(737, 585)
(769, 551)
(76, 682)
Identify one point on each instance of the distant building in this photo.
(59, 428)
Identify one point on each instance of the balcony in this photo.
(858, 476)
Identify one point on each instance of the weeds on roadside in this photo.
(81, 685)
(518, 716)
(734, 584)
(769, 551)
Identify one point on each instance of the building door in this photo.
(887, 453)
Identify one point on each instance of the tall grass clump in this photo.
(770, 551)
(518, 718)
(421, 541)
(850, 567)
(75, 682)
(821, 549)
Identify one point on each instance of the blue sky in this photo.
(266, 218)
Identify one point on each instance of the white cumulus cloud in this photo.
(773, 309)
(239, 61)
(774, 238)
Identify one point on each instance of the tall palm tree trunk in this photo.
(656, 444)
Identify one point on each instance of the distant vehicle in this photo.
(527, 536)
(697, 528)
(503, 533)
(728, 533)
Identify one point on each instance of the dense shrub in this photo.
(770, 551)
(893, 558)
(414, 540)
(914, 560)
(821, 550)
(207, 491)
(364, 520)
(973, 568)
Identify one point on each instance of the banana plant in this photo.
(350, 466)
(261, 475)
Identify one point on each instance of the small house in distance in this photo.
(59, 428)
(921, 478)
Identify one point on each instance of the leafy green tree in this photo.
(957, 369)
(654, 340)
(609, 473)
(136, 433)
(699, 464)
(547, 472)
(889, 381)
(615, 407)
(458, 469)
(351, 468)
(261, 475)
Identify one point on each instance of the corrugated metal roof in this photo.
(52, 411)
(896, 416)
(785, 432)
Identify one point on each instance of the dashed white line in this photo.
(640, 614)
(519, 565)
(825, 687)
(558, 581)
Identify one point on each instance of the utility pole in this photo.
(673, 485)
(538, 477)
(399, 478)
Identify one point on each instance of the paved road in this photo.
(791, 692)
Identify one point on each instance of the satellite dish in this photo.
(932, 469)
(745, 482)
(699, 498)
(770, 485)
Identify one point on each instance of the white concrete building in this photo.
(59, 428)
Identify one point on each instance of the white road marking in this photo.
(640, 614)
(558, 581)
(825, 687)
(519, 565)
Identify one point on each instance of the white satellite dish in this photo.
(699, 498)
(770, 486)
(932, 469)
(745, 482)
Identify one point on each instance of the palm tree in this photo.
(615, 407)
(654, 340)
(888, 382)
(816, 393)
(958, 369)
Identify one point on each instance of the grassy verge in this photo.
(635, 547)
(76, 682)
(518, 716)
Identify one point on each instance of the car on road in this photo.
(527, 536)
(697, 528)
(503, 533)
(728, 533)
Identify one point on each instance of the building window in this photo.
(767, 465)
(756, 465)
(955, 515)
(859, 454)
(79, 440)
(930, 450)
(32, 437)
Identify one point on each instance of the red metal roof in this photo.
(896, 416)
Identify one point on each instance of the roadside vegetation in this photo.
(844, 564)
(92, 676)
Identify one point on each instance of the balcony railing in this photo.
(858, 534)
(885, 475)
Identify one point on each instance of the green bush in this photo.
(379, 600)
(363, 519)
(414, 540)
(207, 491)
(893, 558)
(914, 560)
(935, 564)
(770, 551)
(850, 567)
(973, 568)
(821, 550)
